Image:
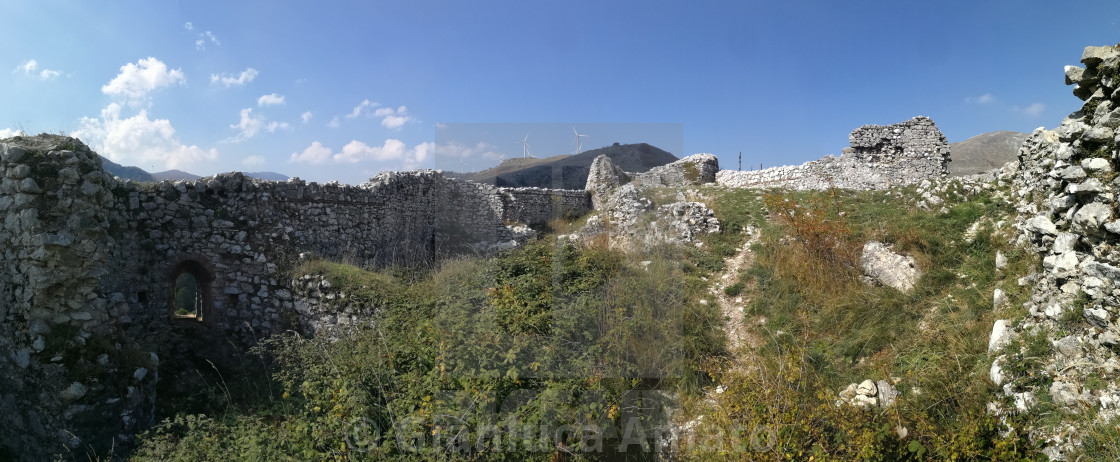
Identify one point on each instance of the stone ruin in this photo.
(86, 307)
(629, 220)
(1065, 190)
(879, 157)
(85, 302)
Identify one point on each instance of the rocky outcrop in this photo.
(1066, 194)
(693, 170)
(879, 157)
(882, 265)
(603, 178)
(630, 220)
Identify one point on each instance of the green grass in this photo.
(824, 321)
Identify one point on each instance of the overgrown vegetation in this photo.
(545, 350)
(821, 327)
(579, 352)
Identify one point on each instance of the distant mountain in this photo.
(984, 152)
(270, 176)
(568, 171)
(126, 173)
(173, 175)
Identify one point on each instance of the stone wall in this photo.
(1067, 193)
(65, 379)
(87, 299)
(536, 206)
(879, 157)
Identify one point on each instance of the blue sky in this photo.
(341, 90)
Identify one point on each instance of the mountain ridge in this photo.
(568, 171)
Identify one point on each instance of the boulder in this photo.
(889, 268)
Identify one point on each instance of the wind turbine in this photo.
(578, 136)
(525, 147)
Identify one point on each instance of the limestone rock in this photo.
(602, 179)
(1001, 335)
(889, 268)
(1041, 225)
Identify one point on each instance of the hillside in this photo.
(569, 171)
(126, 173)
(984, 152)
(172, 175)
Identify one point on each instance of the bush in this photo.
(548, 337)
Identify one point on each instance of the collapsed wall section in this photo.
(879, 157)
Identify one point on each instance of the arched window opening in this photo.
(190, 297)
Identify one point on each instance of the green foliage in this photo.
(821, 328)
(734, 289)
(186, 295)
(474, 360)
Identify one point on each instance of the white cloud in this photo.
(362, 108)
(138, 140)
(250, 126)
(393, 119)
(30, 66)
(334, 123)
(456, 150)
(252, 161)
(314, 154)
(228, 80)
(306, 116)
(8, 133)
(1035, 109)
(204, 38)
(986, 98)
(188, 26)
(270, 100)
(357, 151)
(135, 81)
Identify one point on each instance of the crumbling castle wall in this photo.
(91, 263)
(879, 157)
(1065, 186)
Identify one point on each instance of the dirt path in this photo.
(732, 307)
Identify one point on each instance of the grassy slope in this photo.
(823, 328)
(820, 327)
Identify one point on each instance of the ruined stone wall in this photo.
(91, 264)
(1067, 192)
(67, 377)
(879, 157)
(536, 206)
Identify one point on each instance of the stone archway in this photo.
(190, 294)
